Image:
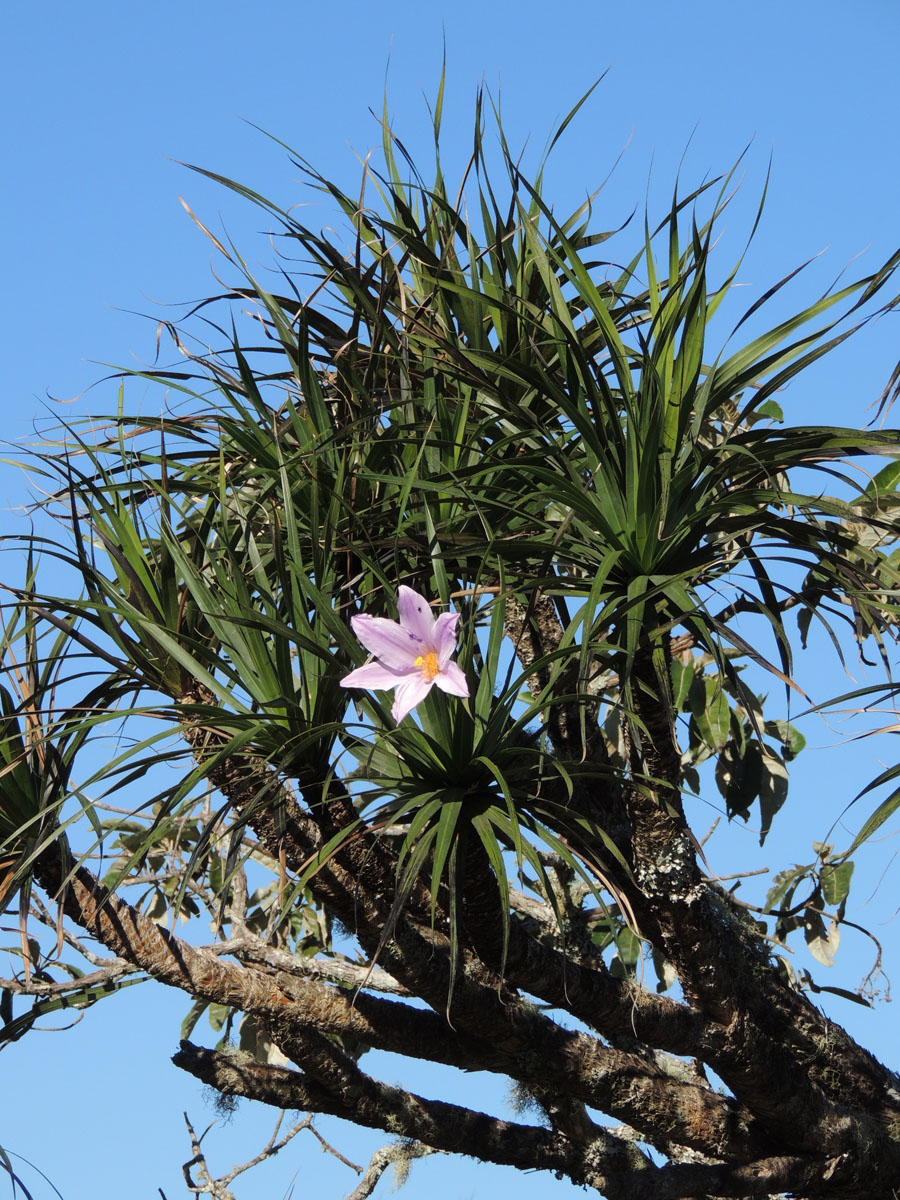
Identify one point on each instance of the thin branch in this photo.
(251, 949)
(399, 1155)
(39, 987)
(218, 1188)
(327, 1146)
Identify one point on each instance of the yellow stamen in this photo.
(429, 664)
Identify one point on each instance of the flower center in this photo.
(429, 664)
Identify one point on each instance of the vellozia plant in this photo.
(484, 400)
(413, 655)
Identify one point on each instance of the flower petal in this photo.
(444, 637)
(395, 646)
(411, 690)
(415, 614)
(452, 680)
(373, 675)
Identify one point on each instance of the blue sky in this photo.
(102, 99)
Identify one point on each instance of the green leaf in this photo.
(772, 792)
(784, 884)
(792, 740)
(835, 881)
(739, 777)
(772, 410)
(882, 813)
(195, 1012)
(628, 953)
(81, 999)
(884, 483)
(710, 712)
(218, 1015)
(682, 678)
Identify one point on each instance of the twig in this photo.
(710, 831)
(741, 874)
(41, 987)
(397, 1153)
(218, 1188)
(254, 950)
(331, 1150)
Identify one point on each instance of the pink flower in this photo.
(412, 655)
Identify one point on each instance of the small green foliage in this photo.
(218, 1015)
(710, 716)
(835, 878)
(628, 954)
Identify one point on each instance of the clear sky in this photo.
(101, 99)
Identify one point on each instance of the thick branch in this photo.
(609, 1165)
(437, 1124)
(765, 1177)
(510, 1038)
